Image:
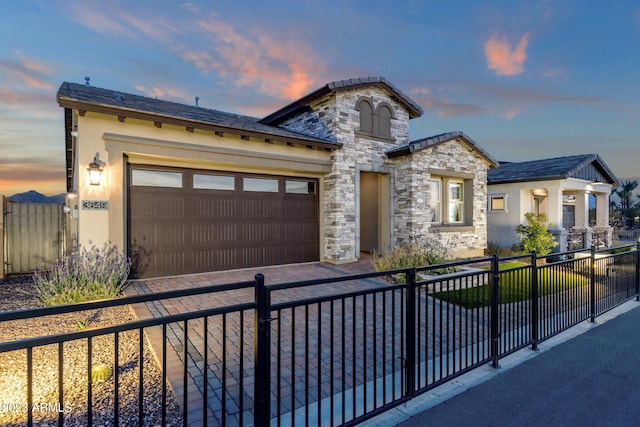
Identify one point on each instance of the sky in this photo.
(525, 80)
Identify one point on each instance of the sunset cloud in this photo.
(283, 68)
(112, 20)
(502, 58)
(445, 108)
(161, 91)
(25, 73)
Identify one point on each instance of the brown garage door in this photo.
(189, 221)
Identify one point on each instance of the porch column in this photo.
(602, 209)
(581, 225)
(602, 228)
(582, 211)
(554, 216)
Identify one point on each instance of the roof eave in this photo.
(71, 103)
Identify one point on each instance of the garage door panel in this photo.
(211, 259)
(214, 233)
(216, 227)
(262, 208)
(261, 255)
(302, 232)
(171, 235)
(260, 232)
(301, 208)
(216, 207)
(301, 252)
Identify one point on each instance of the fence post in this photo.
(262, 343)
(410, 328)
(2, 265)
(534, 301)
(592, 297)
(638, 271)
(494, 313)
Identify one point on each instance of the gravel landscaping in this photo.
(19, 293)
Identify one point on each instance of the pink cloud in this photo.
(164, 92)
(502, 58)
(26, 73)
(90, 16)
(284, 68)
(115, 21)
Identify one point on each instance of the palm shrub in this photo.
(87, 275)
(535, 235)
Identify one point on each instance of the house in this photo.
(188, 189)
(572, 191)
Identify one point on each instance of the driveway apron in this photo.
(233, 336)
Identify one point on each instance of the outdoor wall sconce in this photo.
(95, 171)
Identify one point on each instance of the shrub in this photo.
(535, 236)
(493, 249)
(419, 252)
(87, 275)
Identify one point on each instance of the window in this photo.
(375, 122)
(498, 202)
(266, 185)
(434, 201)
(366, 116)
(213, 182)
(450, 200)
(300, 187)
(149, 178)
(384, 120)
(456, 202)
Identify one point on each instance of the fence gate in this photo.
(33, 235)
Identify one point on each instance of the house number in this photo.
(96, 205)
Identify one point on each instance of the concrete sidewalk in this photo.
(588, 375)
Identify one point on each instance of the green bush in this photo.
(535, 236)
(419, 252)
(89, 274)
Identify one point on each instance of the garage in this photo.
(189, 221)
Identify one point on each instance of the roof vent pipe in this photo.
(197, 99)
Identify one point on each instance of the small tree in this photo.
(535, 236)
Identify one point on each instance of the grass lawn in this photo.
(515, 286)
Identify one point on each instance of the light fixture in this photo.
(95, 171)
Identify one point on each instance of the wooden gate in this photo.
(33, 235)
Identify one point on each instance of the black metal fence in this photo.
(332, 351)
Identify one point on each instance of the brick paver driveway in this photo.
(233, 336)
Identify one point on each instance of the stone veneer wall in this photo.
(335, 117)
(413, 197)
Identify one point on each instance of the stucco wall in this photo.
(502, 225)
(144, 143)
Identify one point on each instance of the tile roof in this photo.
(302, 104)
(91, 98)
(553, 169)
(421, 144)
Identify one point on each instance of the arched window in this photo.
(366, 116)
(384, 120)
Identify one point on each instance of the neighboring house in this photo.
(188, 189)
(572, 191)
